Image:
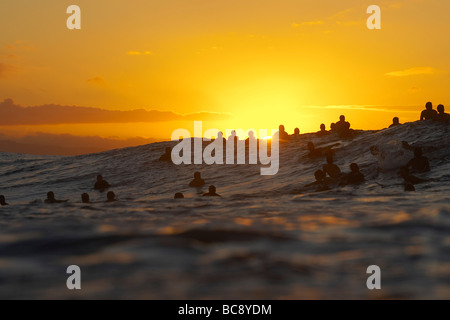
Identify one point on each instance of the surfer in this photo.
(428, 113)
(323, 131)
(167, 156)
(101, 184)
(178, 195)
(409, 178)
(198, 181)
(442, 115)
(331, 169)
(211, 192)
(85, 198)
(419, 163)
(51, 198)
(321, 181)
(111, 197)
(395, 122)
(320, 152)
(354, 177)
(282, 133)
(3, 201)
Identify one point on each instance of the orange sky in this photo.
(262, 63)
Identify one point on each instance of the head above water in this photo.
(440, 108)
(281, 128)
(396, 120)
(99, 177)
(319, 175)
(212, 189)
(409, 187)
(330, 159)
(354, 167)
(50, 195)
(85, 198)
(418, 152)
(178, 195)
(296, 131)
(322, 127)
(197, 175)
(342, 118)
(2, 199)
(332, 126)
(429, 106)
(111, 196)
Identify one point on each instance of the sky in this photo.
(231, 63)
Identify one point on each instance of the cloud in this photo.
(139, 53)
(399, 109)
(12, 114)
(98, 81)
(413, 72)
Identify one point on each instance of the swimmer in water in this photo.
(331, 169)
(167, 157)
(111, 197)
(409, 178)
(282, 133)
(51, 198)
(85, 198)
(428, 113)
(323, 131)
(212, 192)
(178, 195)
(419, 163)
(320, 152)
(321, 181)
(354, 177)
(3, 201)
(395, 122)
(198, 181)
(101, 184)
(442, 116)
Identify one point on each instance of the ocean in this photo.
(267, 237)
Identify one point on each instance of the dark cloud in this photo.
(12, 114)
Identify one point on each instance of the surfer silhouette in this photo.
(51, 198)
(212, 192)
(178, 195)
(198, 181)
(111, 197)
(428, 113)
(282, 133)
(442, 116)
(323, 131)
(3, 201)
(101, 184)
(419, 163)
(321, 181)
(395, 122)
(409, 178)
(85, 198)
(354, 177)
(331, 169)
